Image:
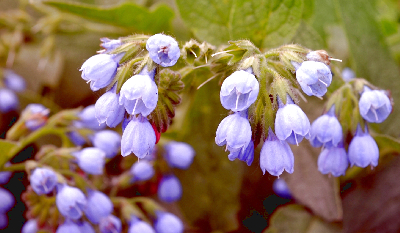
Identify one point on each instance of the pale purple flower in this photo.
(169, 189)
(374, 105)
(281, 189)
(246, 154)
(333, 160)
(36, 116)
(43, 180)
(138, 226)
(108, 110)
(179, 154)
(326, 130)
(70, 201)
(7, 200)
(99, 70)
(110, 224)
(13, 81)
(314, 77)
(363, 150)
(91, 160)
(98, 206)
(142, 170)
(8, 100)
(168, 223)
(108, 141)
(30, 226)
(163, 50)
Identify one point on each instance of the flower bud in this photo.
(138, 226)
(8, 100)
(91, 160)
(110, 224)
(98, 206)
(179, 154)
(43, 180)
(68, 227)
(13, 81)
(142, 170)
(30, 226)
(169, 189)
(99, 70)
(88, 119)
(108, 110)
(70, 201)
(281, 189)
(7, 200)
(35, 116)
(108, 141)
(167, 223)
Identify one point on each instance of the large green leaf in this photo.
(5, 148)
(266, 23)
(127, 15)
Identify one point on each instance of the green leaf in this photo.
(386, 144)
(127, 15)
(266, 23)
(5, 148)
(294, 218)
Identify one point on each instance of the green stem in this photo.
(15, 167)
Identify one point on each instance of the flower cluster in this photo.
(12, 83)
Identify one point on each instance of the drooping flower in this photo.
(43, 180)
(169, 189)
(163, 50)
(138, 138)
(276, 156)
(168, 223)
(246, 154)
(98, 206)
(234, 131)
(7, 200)
(291, 123)
(138, 226)
(30, 226)
(13, 81)
(179, 154)
(36, 116)
(333, 160)
(239, 91)
(70, 201)
(108, 141)
(281, 189)
(374, 105)
(110, 224)
(87, 119)
(326, 130)
(85, 227)
(108, 110)
(8, 100)
(363, 150)
(99, 70)
(68, 227)
(314, 77)
(139, 94)
(91, 160)
(142, 170)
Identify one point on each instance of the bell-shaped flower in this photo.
(7, 200)
(91, 160)
(374, 105)
(168, 223)
(234, 131)
(314, 77)
(98, 206)
(68, 227)
(110, 224)
(291, 123)
(169, 189)
(99, 70)
(108, 110)
(8, 100)
(30, 226)
(363, 150)
(326, 130)
(179, 154)
(43, 180)
(35, 116)
(163, 50)
(13, 81)
(333, 160)
(139, 94)
(281, 189)
(276, 156)
(108, 141)
(246, 154)
(138, 138)
(87, 119)
(239, 91)
(70, 201)
(142, 170)
(138, 226)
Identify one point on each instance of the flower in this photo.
(110, 224)
(281, 189)
(234, 131)
(276, 156)
(98, 206)
(8, 100)
(91, 160)
(68, 227)
(374, 105)
(108, 141)
(163, 50)
(169, 189)
(291, 123)
(3, 220)
(168, 223)
(348, 74)
(7, 200)
(179, 154)
(142, 170)
(138, 226)
(326, 130)
(239, 91)
(314, 77)
(13, 81)
(43, 180)
(99, 70)
(36, 116)
(363, 149)
(138, 138)
(76, 138)
(88, 119)
(246, 154)
(85, 227)
(333, 160)
(139, 95)
(110, 45)
(108, 110)
(30, 226)
(70, 201)
(5, 176)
